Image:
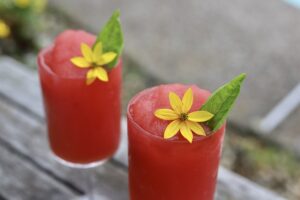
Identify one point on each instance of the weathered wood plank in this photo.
(21, 181)
(234, 187)
(226, 184)
(28, 137)
(98, 197)
(20, 85)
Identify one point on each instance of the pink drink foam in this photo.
(66, 46)
(143, 107)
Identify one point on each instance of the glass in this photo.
(83, 120)
(170, 169)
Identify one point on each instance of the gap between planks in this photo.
(22, 181)
(26, 158)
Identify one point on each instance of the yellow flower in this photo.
(22, 3)
(4, 29)
(94, 59)
(39, 5)
(182, 120)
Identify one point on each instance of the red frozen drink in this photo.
(83, 119)
(174, 168)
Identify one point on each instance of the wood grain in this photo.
(22, 181)
(20, 85)
(28, 137)
(20, 125)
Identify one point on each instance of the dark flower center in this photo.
(183, 116)
(94, 64)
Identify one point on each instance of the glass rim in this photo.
(42, 63)
(149, 134)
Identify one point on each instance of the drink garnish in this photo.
(213, 112)
(104, 53)
(183, 120)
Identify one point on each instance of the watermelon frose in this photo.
(83, 120)
(172, 168)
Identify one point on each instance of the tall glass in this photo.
(83, 120)
(170, 169)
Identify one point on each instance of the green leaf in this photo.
(222, 100)
(111, 37)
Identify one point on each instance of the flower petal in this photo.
(90, 76)
(187, 100)
(196, 128)
(175, 102)
(87, 52)
(172, 129)
(166, 114)
(186, 132)
(4, 29)
(97, 52)
(106, 58)
(101, 74)
(200, 116)
(90, 81)
(80, 62)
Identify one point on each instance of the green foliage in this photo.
(111, 37)
(222, 100)
(23, 18)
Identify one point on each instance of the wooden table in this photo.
(28, 171)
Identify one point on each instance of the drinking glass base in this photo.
(79, 166)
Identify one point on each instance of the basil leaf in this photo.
(111, 37)
(222, 100)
